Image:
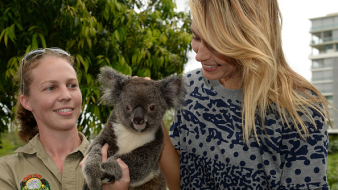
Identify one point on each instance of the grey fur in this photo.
(134, 129)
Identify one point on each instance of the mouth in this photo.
(139, 128)
(209, 66)
(64, 110)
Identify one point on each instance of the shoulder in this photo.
(193, 78)
(7, 162)
(193, 74)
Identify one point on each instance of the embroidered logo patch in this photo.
(35, 182)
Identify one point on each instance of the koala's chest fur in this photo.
(128, 140)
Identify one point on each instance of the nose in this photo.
(64, 94)
(203, 51)
(138, 115)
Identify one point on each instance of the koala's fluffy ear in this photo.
(173, 90)
(111, 84)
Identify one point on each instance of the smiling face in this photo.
(215, 66)
(55, 98)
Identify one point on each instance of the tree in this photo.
(136, 38)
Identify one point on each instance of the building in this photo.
(324, 57)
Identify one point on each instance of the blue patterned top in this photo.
(208, 132)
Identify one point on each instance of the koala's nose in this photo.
(138, 115)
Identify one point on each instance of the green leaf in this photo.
(10, 73)
(89, 79)
(2, 33)
(6, 37)
(28, 49)
(85, 65)
(117, 35)
(11, 32)
(32, 28)
(19, 26)
(43, 41)
(34, 41)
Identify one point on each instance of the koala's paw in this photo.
(92, 175)
(111, 172)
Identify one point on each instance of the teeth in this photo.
(210, 66)
(63, 110)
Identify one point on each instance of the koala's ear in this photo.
(173, 90)
(111, 84)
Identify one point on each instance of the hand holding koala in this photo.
(133, 131)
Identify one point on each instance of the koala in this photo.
(133, 131)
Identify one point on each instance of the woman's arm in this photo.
(304, 162)
(6, 176)
(170, 162)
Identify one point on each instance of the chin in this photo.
(209, 76)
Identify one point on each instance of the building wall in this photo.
(324, 32)
(335, 92)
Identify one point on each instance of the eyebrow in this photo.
(55, 81)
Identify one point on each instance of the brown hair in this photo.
(28, 126)
(249, 31)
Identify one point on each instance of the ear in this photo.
(111, 84)
(25, 103)
(173, 90)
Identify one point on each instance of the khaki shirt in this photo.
(32, 168)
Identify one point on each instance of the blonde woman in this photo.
(250, 121)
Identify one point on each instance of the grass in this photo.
(332, 170)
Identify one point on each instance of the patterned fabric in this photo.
(208, 132)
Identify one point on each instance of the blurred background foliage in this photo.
(135, 37)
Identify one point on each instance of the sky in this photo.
(296, 35)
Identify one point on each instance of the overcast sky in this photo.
(295, 33)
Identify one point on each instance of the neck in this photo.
(232, 82)
(58, 144)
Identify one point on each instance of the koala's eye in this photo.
(151, 107)
(128, 107)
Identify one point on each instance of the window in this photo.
(317, 63)
(322, 75)
(329, 97)
(322, 63)
(329, 48)
(328, 62)
(324, 87)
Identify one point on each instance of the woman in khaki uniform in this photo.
(49, 105)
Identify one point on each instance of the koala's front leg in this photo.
(92, 168)
(112, 170)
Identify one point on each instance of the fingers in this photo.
(104, 152)
(147, 78)
(124, 168)
(83, 160)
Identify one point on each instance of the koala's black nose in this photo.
(138, 115)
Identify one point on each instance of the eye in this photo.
(50, 88)
(128, 107)
(151, 107)
(195, 38)
(72, 86)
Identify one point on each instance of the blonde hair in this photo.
(249, 31)
(28, 126)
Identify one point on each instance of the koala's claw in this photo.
(107, 178)
(111, 171)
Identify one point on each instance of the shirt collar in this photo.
(34, 146)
